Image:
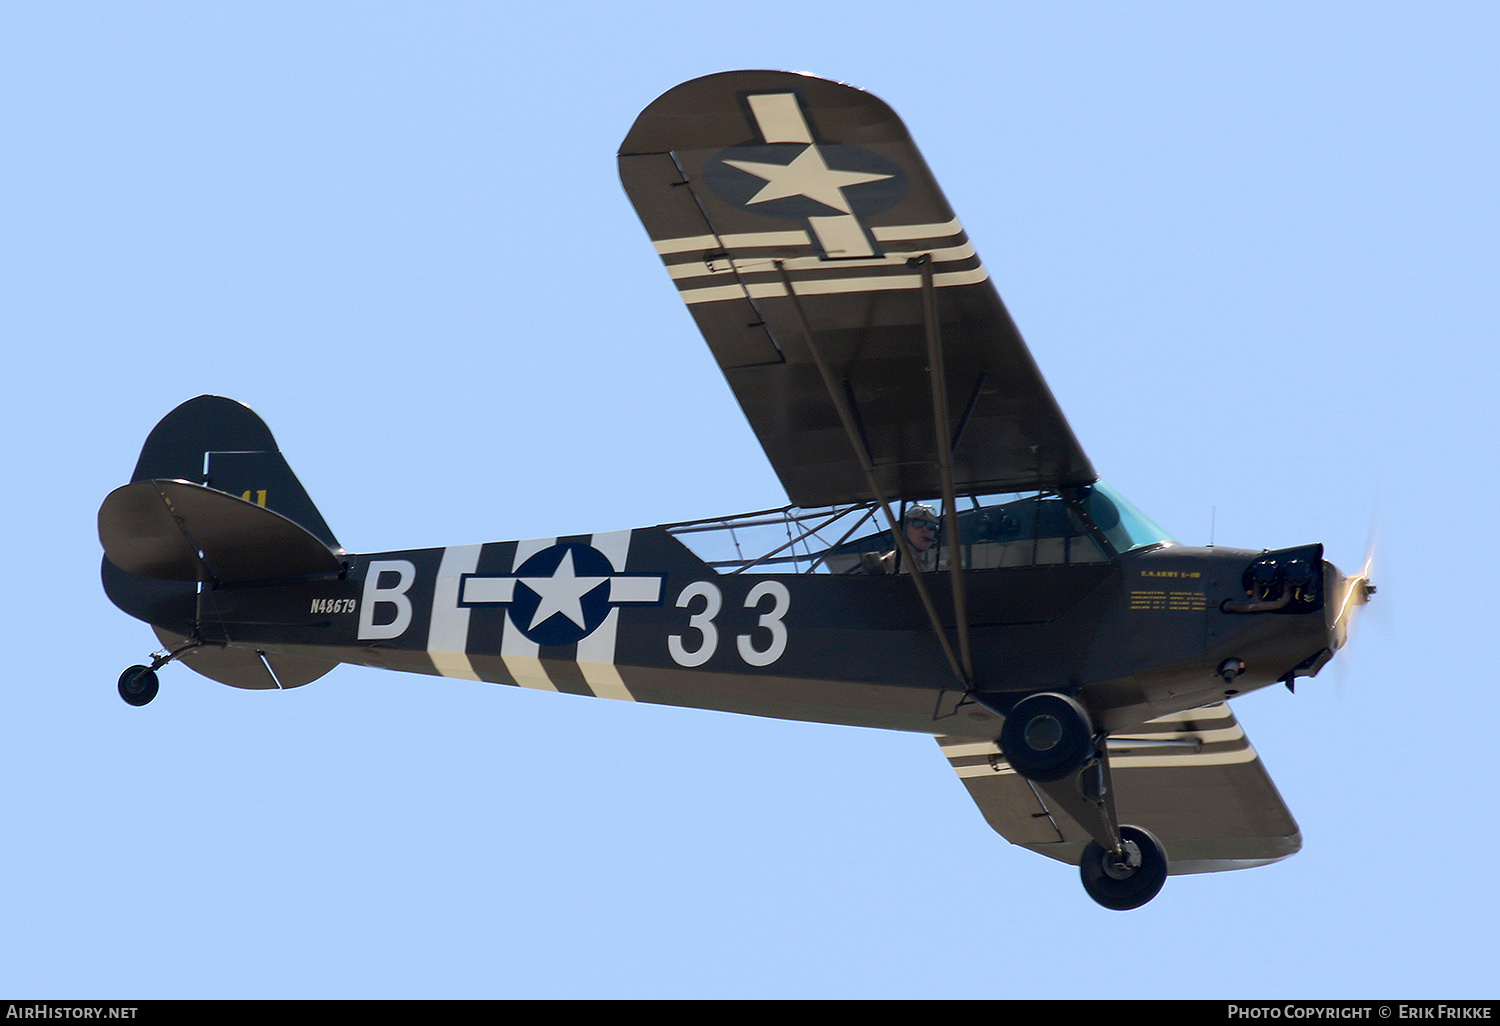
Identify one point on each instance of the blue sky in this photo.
(1253, 251)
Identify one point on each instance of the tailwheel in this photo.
(138, 685)
(1126, 879)
(1047, 737)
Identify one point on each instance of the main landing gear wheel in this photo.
(1047, 737)
(138, 685)
(1127, 880)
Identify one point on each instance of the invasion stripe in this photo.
(1217, 711)
(885, 233)
(960, 751)
(1221, 758)
(1237, 755)
(517, 651)
(1244, 752)
(754, 265)
(1207, 712)
(963, 748)
(596, 653)
(1206, 737)
(904, 232)
(448, 631)
(667, 247)
(832, 286)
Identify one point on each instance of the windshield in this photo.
(1125, 526)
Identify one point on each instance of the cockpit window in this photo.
(994, 531)
(1025, 532)
(1035, 529)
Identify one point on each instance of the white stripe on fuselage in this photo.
(517, 651)
(448, 632)
(596, 653)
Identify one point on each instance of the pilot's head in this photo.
(920, 525)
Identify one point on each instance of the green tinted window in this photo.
(1126, 527)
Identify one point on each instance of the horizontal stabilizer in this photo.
(243, 668)
(177, 531)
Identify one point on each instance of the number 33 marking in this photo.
(708, 635)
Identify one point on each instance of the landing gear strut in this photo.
(1049, 739)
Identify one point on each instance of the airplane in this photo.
(949, 562)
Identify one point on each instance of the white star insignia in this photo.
(563, 593)
(809, 175)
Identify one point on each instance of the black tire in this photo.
(1119, 886)
(1047, 737)
(138, 685)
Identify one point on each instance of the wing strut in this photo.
(867, 467)
(938, 375)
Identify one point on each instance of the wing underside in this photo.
(1193, 779)
(796, 214)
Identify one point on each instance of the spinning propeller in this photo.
(1354, 593)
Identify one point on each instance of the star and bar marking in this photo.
(573, 591)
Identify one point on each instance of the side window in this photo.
(1026, 533)
(1037, 529)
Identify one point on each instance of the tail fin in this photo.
(210, 490)
(162, 531)
(222, 444)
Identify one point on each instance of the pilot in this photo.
(920, 525)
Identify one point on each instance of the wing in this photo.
(1192, 779)
(752, 179)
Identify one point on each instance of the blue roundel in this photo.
(561, 578)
